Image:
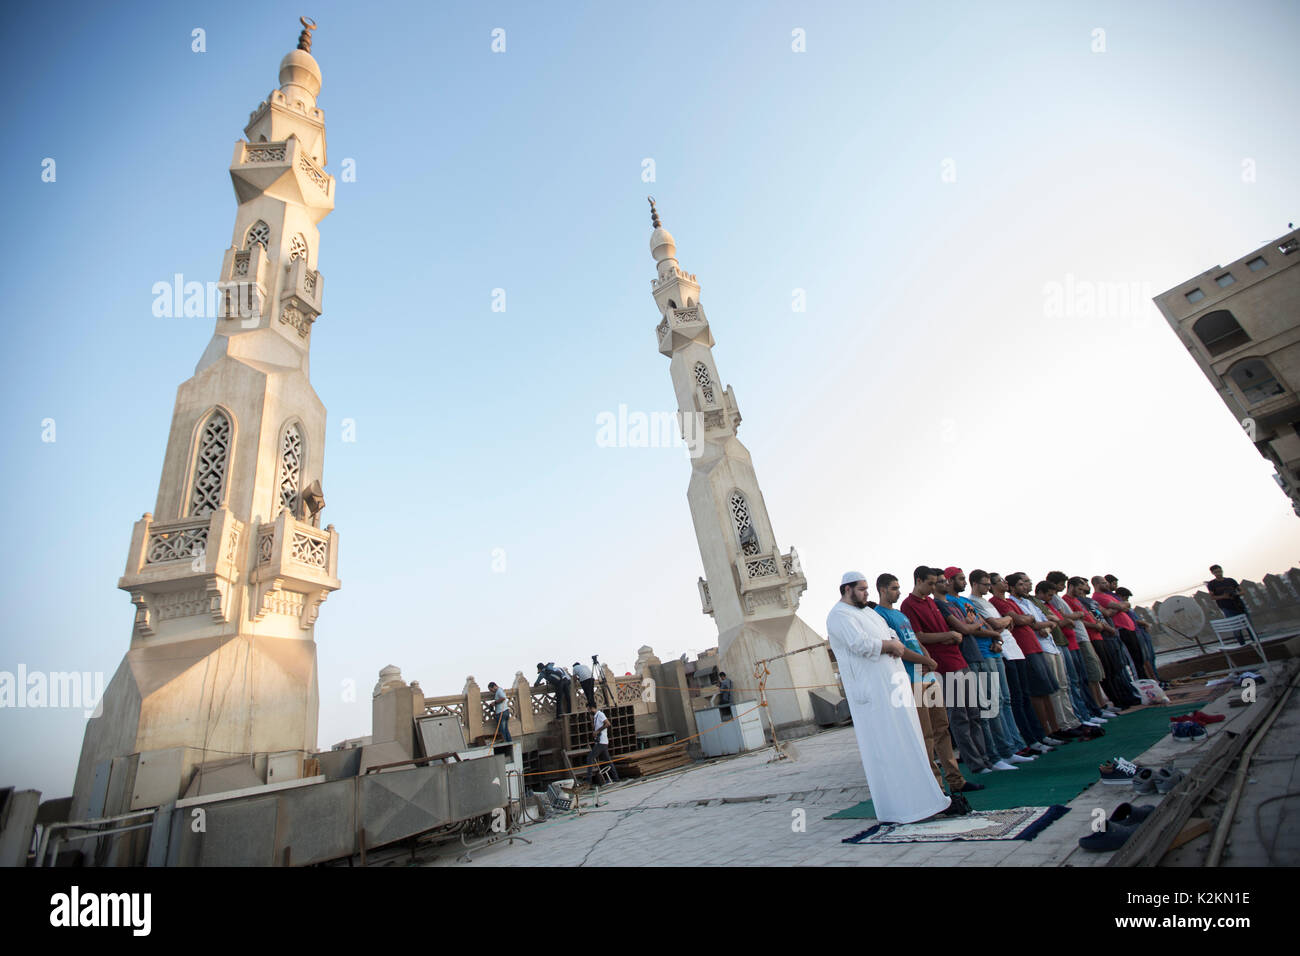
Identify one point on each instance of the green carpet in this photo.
(1061, 776)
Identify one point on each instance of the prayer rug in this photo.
(1022, 823)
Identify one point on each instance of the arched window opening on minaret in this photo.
(672, 304)
(744, 527)
(297, 247)
(290, 474)
(258, 232)
(210, 462)
(706, 384)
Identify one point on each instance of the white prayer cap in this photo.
(852, 577)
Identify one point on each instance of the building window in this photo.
(1219, 332)
(1288, 247)
(258, 232)
(1256, 382)
(291, 470)
(1254, 265)
(1225, 280)
(210, 465)
(1196, 295)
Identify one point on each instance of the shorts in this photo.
(1041, 682)
(1094, 673)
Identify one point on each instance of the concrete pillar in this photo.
(675, 711)
(474, 726)
(524, 693)
(16, 826)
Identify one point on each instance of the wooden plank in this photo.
(1195, 827)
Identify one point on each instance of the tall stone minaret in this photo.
(750, 588)
(228, 573)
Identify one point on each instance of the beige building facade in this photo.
(1241, 324)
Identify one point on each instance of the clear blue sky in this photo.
(922, 409)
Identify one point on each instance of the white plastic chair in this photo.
(1231, 627)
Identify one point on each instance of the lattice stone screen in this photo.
(290, 469)
(744, 528)
(706, 384)
(258, 232)
(210, 465)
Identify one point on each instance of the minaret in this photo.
(228, 573)
(750, 588)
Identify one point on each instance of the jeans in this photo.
(996, 742)
(1014, 741)
(503, 726)
(599, 755)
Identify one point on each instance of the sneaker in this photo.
(1144, 781)
(1093, 722)
(1166, 779)
(1118, 771)
(1053, 742)
(1019, 758)
(1003, 765)
(1041, 748)
(1099, 720)
(1188, 732)
(970, 786)
(1109, 712)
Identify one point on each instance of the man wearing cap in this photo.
(903, 788)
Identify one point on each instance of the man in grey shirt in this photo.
(582, 674)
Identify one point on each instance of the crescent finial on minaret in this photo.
(654, 213)
(304, 38)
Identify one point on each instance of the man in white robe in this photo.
(880, 698)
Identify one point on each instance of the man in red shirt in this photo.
(1039, 681)
(944, 646)
(1093, 669)
(1118, 612)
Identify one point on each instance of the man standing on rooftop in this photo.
(903, 787)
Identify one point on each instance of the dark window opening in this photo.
(1219, 332)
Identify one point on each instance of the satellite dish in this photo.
(1181, 615)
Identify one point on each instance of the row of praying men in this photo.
(1002, 676)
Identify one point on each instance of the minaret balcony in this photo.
(682, 326)
(181, 568)
(296, 566)
(725, 417)
(243, 283)
(771, 579)
(305, 287)
(284, 171)
(706, 599)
